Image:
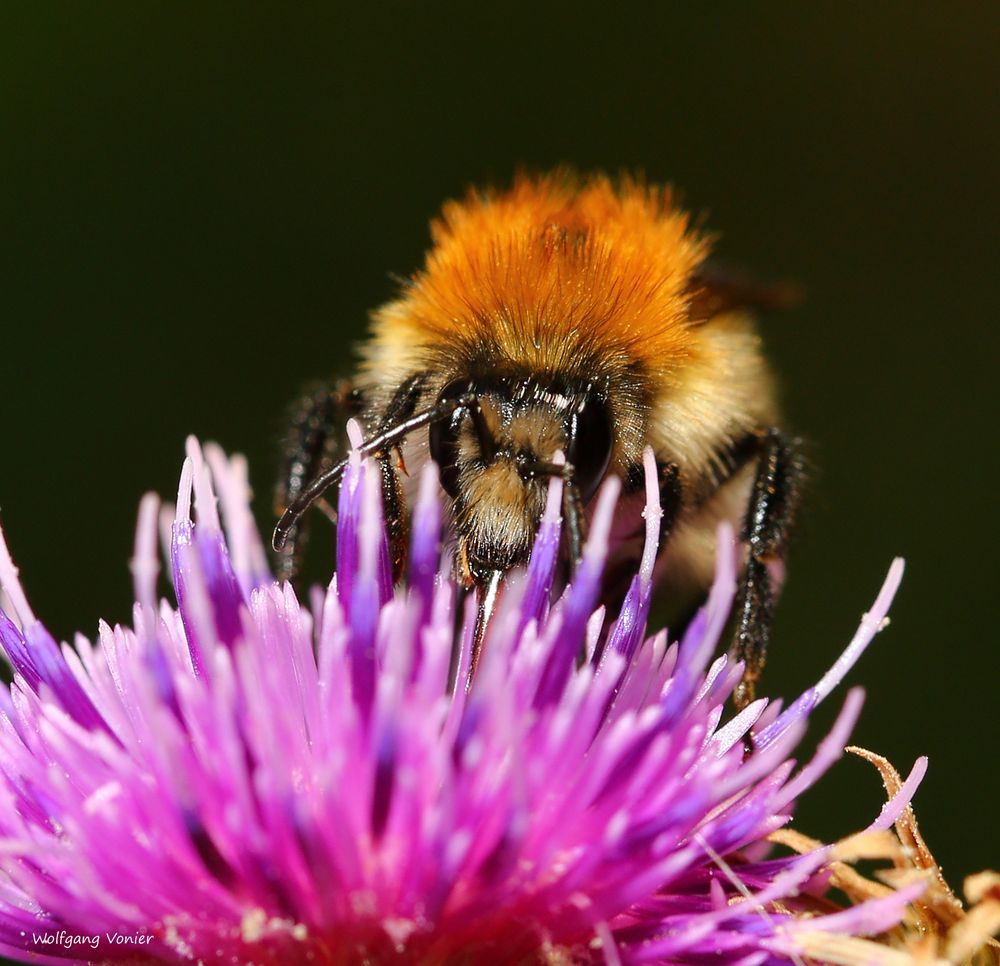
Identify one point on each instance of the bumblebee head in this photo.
(496, 451)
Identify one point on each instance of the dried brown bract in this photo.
(938, 928)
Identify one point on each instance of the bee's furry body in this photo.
(553, 294)
(588, 284)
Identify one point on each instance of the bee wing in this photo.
(716, 288)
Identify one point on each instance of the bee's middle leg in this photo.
(309, 448)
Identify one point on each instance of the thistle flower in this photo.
(244, 779)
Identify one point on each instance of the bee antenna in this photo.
(384, 440)
(302, 502)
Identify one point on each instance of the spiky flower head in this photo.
(242, 778)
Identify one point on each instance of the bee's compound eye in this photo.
(444, 437)
(590, 444)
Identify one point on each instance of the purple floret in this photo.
(244, 779)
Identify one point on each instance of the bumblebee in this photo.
(575, 316)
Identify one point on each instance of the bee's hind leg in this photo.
(773, 501)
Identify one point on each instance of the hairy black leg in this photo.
(384, 442)
(773, 502)
(669, 482)
(401, 407)
(572, 506)
(576, 524)
(618, 576)
(670, 498)
(310, 446)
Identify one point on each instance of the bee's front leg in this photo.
(773, 501)
(395, 512)
(401, 407)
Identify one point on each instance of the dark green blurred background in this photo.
(200, 204)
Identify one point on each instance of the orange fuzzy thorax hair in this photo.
(555, 274)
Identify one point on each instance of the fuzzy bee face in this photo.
(496, 456)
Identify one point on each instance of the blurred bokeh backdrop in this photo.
(200, 204)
